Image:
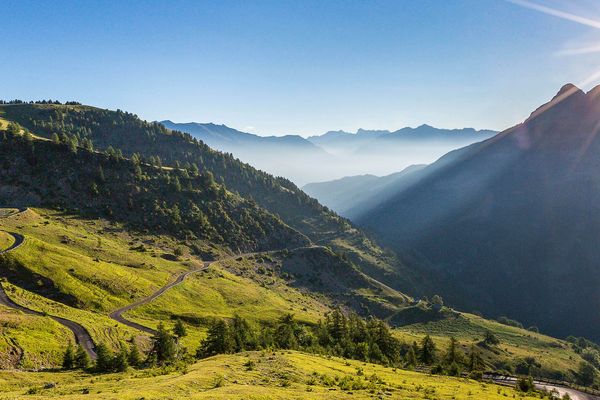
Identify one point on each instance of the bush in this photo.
(437, 369)
(525, 384)
(490, 339)
(476, 375)
(453, 369)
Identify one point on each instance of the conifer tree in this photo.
(68, 357)
(411, 358)
(179, 329)
(452, 354)
(121, 361)
(135, 357)
(427, 354)
(475, 360)
(218, 340)
(164, 346)
(104, 358)
(82, 359)
(285, 337)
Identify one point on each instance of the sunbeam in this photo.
(557, 13)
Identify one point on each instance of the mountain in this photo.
(341, 142)
(350, 195)
(383, 152)
(290, 156)
(152, 143)
(117, 252)
(188, 205)
(335, 154)
(385, 142)
(511, 225)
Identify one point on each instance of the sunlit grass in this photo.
(255, 375)
(29, 341)
(6, 240)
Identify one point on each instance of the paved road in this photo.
(117, 314)
(562, 390)
(18, 241)
(82, 336)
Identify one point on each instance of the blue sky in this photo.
(299, 67)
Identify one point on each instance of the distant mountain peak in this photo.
(568, 98)
(425, 126)
(594, 93)
(567, 90)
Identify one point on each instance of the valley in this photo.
(115, 279)
(272, 200)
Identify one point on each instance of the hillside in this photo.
(511, 225)
(264, 375)
(350, 195)
(157, 146)
(181, 202)
(82, 266)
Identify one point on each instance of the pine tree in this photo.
(179, 329)
(218, 340)
(68, 358)
(82, 359)
(164, 346)
(452, 354)
(411, 358)
(427, 354)
(104, 358)
(475, 360)
(121, 361)
(243, 335)
(135, 357)
(285, 337)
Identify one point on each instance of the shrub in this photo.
(525, 384)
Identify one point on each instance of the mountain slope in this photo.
(512, 224)
(191, 206)
(156, 145)
(82, 269)
(349, 195)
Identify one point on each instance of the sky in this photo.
(303, 67)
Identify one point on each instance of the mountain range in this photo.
(351, 195)
(333, 155)
(511, 225)
(122, 235)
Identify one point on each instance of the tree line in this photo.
(338, 334)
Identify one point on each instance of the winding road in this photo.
(82, 336)
(117, 314)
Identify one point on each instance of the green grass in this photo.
(91, 259)
(29, 341)
(101, 327)
(6, 240)
(222, 294)
(254, 375)
(101, 265)
(515, 343)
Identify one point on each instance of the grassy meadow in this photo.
(253, 375)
